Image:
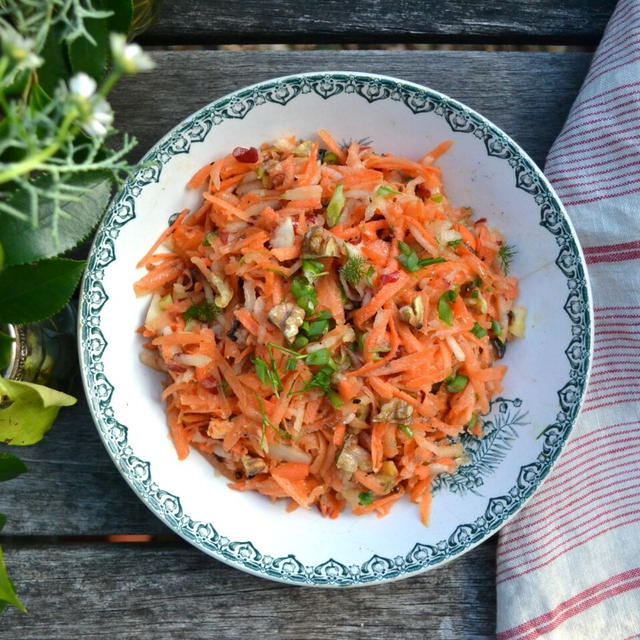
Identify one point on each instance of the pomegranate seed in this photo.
(209, 383)
(389, 277)
(480, 221)
(224, 237)
(310, 218)
(250, 155)
(421, 395)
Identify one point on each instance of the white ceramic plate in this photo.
(526, 428)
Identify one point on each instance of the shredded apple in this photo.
(329, 323)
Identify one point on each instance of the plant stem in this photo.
(112, 78)
(30, 163)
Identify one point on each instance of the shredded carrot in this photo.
(326, 346)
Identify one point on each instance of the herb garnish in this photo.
(408, 258)
(354, 269)
(365, 498)
(305, 294)
(444, 308)
(506, 254)
(205, 312)
(478, 331)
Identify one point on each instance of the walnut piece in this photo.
(288, 317)
(253, 466)
(414, 314)
(319, 243)
(395, 410)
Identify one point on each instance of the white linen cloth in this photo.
(568, 567)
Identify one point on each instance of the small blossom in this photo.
(82, 86)
(98, 123)
(129, 57)
(20, 50)
(95, 113)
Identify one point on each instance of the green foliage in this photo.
(10, 466)
(63, 223)
(28, 411)
(30, 292)
(7, 589)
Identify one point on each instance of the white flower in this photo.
(129, 57)
(98, 123)
(20, 49)
(95, 113)
(82, 86)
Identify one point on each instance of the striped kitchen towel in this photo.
(568, 566)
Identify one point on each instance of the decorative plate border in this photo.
(92, 343)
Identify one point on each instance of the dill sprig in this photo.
(354, 269)
(506, 254)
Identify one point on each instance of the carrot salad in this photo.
(329, 323)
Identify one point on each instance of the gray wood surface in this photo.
(72, 488)
(172, 591)
(374, 21)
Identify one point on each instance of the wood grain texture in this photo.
(374, 21)
(172, 591)
(72, 487)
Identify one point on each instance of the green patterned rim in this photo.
(505, 413)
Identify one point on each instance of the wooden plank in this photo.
(173, 591)
(72, 487)
(375, 21)
(517, 91)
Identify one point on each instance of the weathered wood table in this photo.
(78, 584)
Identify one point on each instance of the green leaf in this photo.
(1, 256)
(88, 57)
(122, 17)
(7, 590)
(30, 293)
(56, 65)
(10, 467)
(28, 411)
(24, 244)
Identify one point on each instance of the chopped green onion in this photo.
(454, 243)
(444, 308)
(385, 190)
(313, 269)
(330, 158)
(408, 258)
(335, 206)
(405, 428)
(291, 365)
(365, 498)
(436, 197)
(478, 331)
(472, 422)
(334, 399)
(320, 357)
(304, 294)
(495, 327)
(260, 172)
(300, 342)
(457, 383)
(206, 241)
(224, 385)
(267, 374)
